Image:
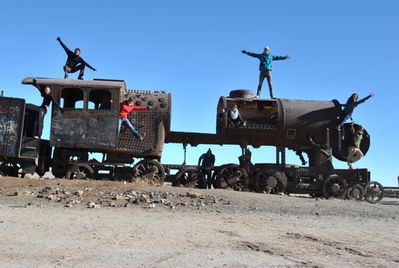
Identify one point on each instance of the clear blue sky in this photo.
(192, 49)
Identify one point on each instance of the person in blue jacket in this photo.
(265, 68)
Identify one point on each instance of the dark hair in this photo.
(77, 49)
(130, 99)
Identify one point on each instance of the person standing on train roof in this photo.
(350, 105)
(74, 62)
(47, 100)
(125, 108)
(265, 68)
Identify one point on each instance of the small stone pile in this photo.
(94, 198)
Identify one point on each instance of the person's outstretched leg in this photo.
(132, 129)
(269, 82)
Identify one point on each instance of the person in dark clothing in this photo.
(47, 100)
(265, 68)
(208, 161)
(350, 105)
(235, 116)
(74, 62)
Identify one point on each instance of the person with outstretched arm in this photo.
(125, 108)
(74, 62)
(265, 67)
(47, 100)
(350, 105)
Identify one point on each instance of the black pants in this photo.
(42, 114)
(80, 67)
(268, 76)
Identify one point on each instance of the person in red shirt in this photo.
(125, 108)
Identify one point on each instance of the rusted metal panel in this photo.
(152, 124)
(96, 129)
(11, 126)
(276, 122)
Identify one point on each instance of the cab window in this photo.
(100, 99)
(72, 98)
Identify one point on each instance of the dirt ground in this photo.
(81, 223)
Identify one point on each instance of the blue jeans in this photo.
(129, 126)
(344, 120)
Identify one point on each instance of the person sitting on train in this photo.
(125, 108)
(265, 67)
(47, 100)
(235, 116)
(354, 152)
(74, 62)
(349, 106)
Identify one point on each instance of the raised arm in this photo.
(251, 54)
(38, 87)
(280, 57)
(67, 50)
(365, 98)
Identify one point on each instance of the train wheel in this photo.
(190, 177)
(9, 169)
(373, 192)
(231, 176)
(355, 192)
(149, 169)
(335, 186)
(270, 181)
(80, 172)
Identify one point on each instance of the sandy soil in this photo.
(49, 224)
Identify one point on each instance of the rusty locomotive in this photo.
(89, 124)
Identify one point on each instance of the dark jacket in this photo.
(207, 160)
(73, 59)
(351, 104)
(47, 98)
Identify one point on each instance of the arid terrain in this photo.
(84, 223)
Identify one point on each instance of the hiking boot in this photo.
(80, 78)
(66, 75)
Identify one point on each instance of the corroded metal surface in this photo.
(152, 124)
(90, 117)
(11, 122)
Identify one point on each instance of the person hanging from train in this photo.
(125, 108)
(206, 162)
(235, 117)
(47, 100)
(349, 106)
(74, 62)
(265, 68)
(354, 152)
